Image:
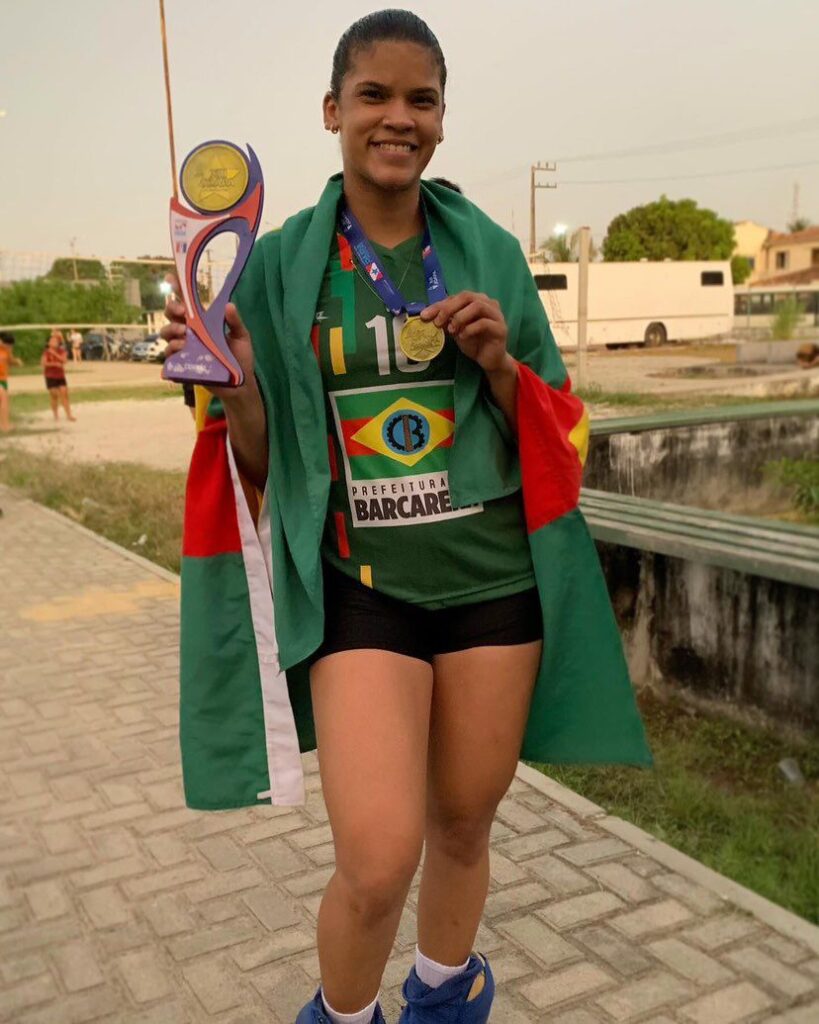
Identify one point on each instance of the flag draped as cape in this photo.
(252, 601)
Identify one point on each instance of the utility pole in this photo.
(583, 307)
(168, 105)
(73, 244)
(795, 211)
(534, 184)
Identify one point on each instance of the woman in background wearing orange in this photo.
(7, 360)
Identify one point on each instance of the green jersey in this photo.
(390, 520)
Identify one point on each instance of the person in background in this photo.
(53, 362)
(448, 184)
(75, 341)
(189, 398)
(807, 356)
(7, 359)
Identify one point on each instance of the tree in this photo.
(63, 269)
(799, 224)
(563, 249)
(668, 229)
(48, 301)
(557, 248)
(740, 269)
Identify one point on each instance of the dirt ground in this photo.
(156, 432)
(159, 432)
(94, 375)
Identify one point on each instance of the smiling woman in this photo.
(394, 345)
(386, 100)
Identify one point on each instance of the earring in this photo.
(334, 129)
(440, 139)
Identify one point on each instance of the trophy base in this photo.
(195, 364)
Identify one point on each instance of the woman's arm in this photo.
(247, 428)
(244, 408)
(503, 384)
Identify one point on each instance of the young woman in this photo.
(7, 360)
(402, 571)
(53, 362)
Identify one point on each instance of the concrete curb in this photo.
(769, 913)
(776, 917)
(139, 560)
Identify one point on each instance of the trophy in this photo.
(225, 189)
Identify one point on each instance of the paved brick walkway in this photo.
(119, 904)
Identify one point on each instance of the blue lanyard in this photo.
(374, 269)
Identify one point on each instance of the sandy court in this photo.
(159, 432)
(95, 375)
(156, 432)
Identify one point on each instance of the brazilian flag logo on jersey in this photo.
(395, 443)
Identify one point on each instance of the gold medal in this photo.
(420, 340)
(215, 177)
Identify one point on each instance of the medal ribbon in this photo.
(373, 268)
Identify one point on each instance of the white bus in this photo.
(755, 306)
(639, 303)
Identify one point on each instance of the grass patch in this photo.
(26, 404)
(801, 477)
(118, 500)
(716, 794)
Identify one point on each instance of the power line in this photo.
(688, 177)
(704, 141)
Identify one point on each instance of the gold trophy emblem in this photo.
(215, 177)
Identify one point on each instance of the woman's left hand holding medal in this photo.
(477, 325)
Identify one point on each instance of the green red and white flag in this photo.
(244, 721)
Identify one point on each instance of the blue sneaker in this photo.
(314, 1013)
(464, 999)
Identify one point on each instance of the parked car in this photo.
(95, 344)
(151, 350)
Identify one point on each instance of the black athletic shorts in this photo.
(356, 617)
(55, 382)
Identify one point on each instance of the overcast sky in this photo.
(84, 151)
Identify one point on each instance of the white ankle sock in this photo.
(361, 1017)
(434, 974)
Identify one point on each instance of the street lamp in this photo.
(560, 229)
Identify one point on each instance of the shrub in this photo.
(786, 318)
(29, 345)
(802, 477)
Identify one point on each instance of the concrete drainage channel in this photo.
(711, 599)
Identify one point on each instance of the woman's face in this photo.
(389, 114)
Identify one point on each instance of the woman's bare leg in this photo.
(5, 422)
(54, 398)
(480, 704)
(372, 723)
(66, 404)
